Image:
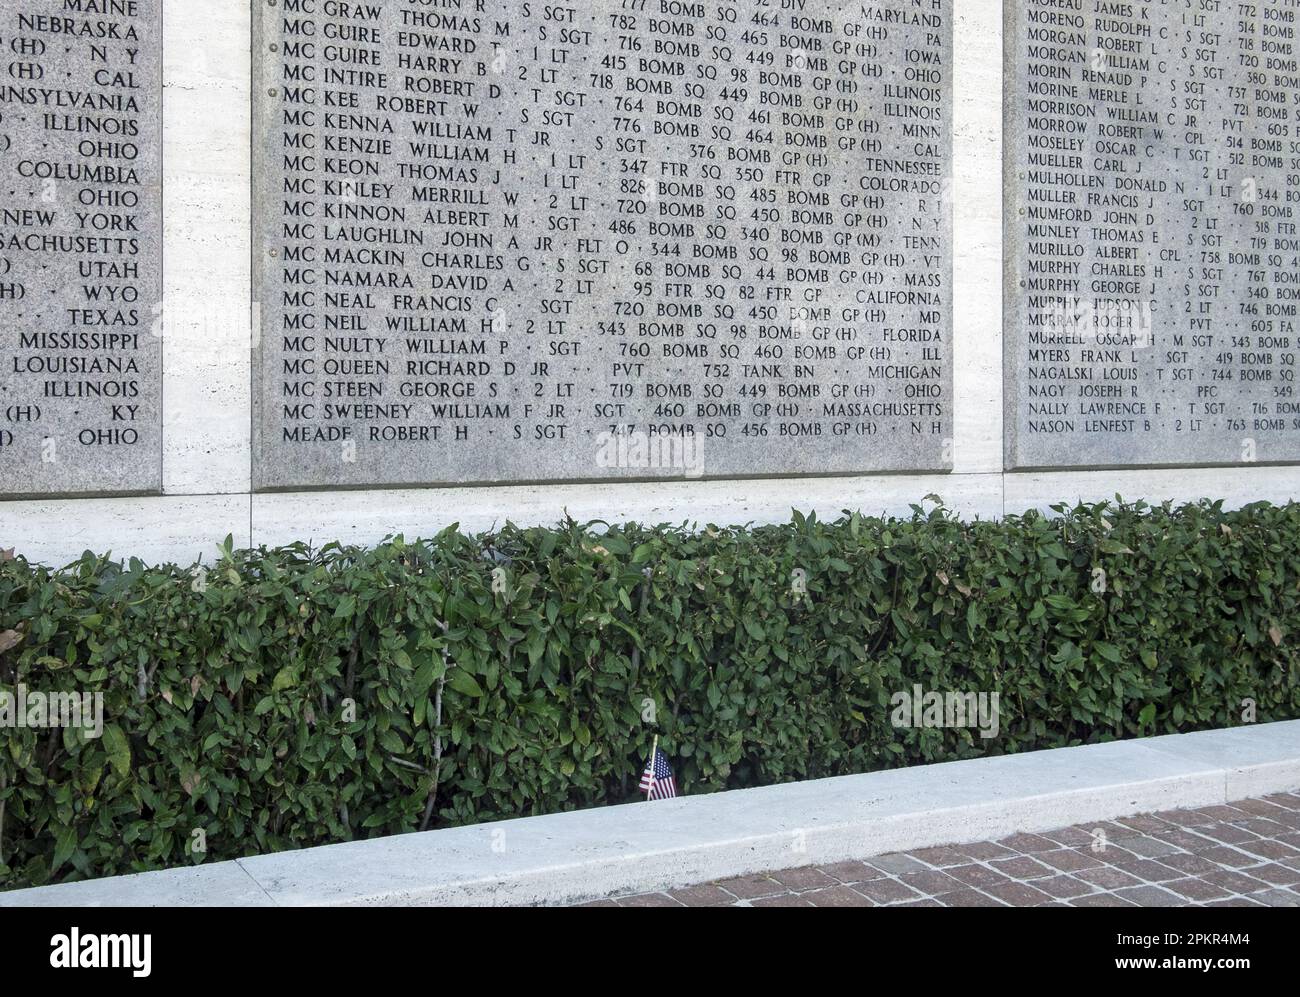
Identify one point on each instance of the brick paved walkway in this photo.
(1243, 855)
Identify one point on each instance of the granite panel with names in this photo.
(1153, 255)
(519, 242)
(80, 247)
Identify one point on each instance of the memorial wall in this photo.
(80, 247)
(1153, 179)
(669, 260)
(503, 241)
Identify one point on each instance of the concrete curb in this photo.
(592, 853)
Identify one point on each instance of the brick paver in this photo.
(1246, 854)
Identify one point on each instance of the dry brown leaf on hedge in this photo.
(7, 555)
(1275, 635)
(8, 639)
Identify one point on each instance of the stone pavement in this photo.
(1246, 854)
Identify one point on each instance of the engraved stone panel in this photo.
(1153, 256)
(80, 246)
(502, 241)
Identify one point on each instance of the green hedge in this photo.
(552, 655)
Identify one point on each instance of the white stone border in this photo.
(206, 245)
(564, 858)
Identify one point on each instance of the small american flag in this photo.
(657, 780)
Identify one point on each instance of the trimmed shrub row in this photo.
(284, 698)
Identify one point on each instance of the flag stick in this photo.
(654, 751)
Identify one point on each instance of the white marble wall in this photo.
(207, 456)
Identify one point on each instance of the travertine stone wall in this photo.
(933, 389)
